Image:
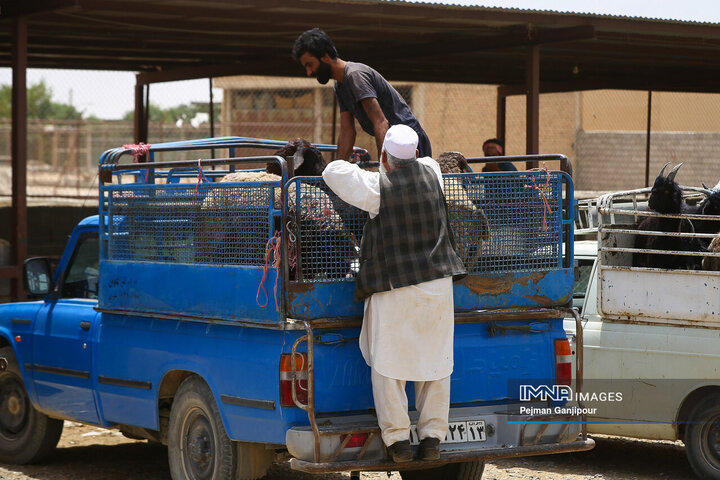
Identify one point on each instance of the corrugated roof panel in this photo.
(484, 5)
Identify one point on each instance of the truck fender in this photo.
(688, 404)
(7, 340)
(174, 375)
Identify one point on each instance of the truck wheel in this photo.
(26, 435)
(451, 471)
(702, 438)
(198, 447)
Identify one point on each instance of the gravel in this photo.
(87, 452)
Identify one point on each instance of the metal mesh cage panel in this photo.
(212, 223)
(501, 222)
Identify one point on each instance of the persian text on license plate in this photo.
(458, 432)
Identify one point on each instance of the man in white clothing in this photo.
(408, 260)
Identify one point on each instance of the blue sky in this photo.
(110, 94)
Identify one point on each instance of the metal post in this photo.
(334, 127)
(501, 116)
(139, 112)
(647, 141)
(212, 119)
(19, 155)
(532, 84)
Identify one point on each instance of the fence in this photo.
(602, 132)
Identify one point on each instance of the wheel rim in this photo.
(14, 406)
(711, 440)
(198, 446)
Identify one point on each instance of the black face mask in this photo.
(323, 73)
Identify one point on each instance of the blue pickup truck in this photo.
(217, 317)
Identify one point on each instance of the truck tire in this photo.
(451, 471)
(702, 438)
(198, 446)
(26, 435)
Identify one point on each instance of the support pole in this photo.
(532, 85)
(501, 116)
(139, 113)
(212, 118)
(19, 155)
(647, 141)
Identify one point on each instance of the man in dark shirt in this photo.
(362, 93)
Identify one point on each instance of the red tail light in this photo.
(356, 439)
(563, 362)
(286, 381)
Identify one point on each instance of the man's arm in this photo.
(358, 187)
(377, 117)
(346, 139)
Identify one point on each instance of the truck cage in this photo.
(520, 268)
(677, 262)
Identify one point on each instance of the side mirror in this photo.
(36, 274)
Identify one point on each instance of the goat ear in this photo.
(716, 188)
(299, 156)
(663, 169)
(673, 172)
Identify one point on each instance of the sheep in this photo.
(666, 198)
(467, 222)
(319, 222)
(712, 263)
(231, 227)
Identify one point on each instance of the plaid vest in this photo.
(409, 241)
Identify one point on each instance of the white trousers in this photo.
(432, 401)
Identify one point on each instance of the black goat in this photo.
(307, 160)
(710, 205)
(666, 198)
(326, 223)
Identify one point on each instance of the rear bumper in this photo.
(445, 458)
(508, 434)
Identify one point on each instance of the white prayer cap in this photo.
(401, 142)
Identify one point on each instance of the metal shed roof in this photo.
(177, 39)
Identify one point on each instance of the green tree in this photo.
(39, 104)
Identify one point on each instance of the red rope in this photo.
(138, 150)
(200, 178)
(273, 245)
(542, 192)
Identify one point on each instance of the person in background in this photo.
(361, 92)
(495, 148)
(408, 259)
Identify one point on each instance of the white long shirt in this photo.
(407, 332)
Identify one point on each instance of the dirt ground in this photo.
(93, 453)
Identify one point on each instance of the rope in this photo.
(292, 246)
(542, 192)
(137, 152)
(273, 245)
(200, 178)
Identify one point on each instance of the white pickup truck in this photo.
(651, 340)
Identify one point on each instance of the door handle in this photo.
(85, 325)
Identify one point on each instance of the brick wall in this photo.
(609, 161)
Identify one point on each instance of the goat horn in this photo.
(673, 172)
(716, 188)
(663, 169)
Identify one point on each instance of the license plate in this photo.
(458, 432)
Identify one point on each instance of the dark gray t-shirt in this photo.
(361, 82)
